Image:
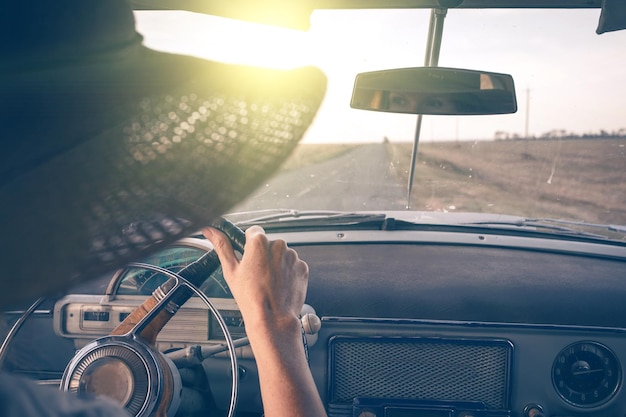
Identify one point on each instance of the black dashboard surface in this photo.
(449, 282)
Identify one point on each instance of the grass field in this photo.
(570, 179)
(582, 179)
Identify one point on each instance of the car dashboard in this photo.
(438, 322)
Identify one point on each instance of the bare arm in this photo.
(269, 285)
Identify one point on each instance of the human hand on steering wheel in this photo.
(269, 284)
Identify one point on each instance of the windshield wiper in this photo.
(279, 218)
(565, 227)
(297, 218)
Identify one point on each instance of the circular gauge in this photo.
(586, 374)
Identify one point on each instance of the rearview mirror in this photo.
(434, 90)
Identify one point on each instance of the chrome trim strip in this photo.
(472, 324)
(551, 243)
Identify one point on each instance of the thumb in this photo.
(223, 248)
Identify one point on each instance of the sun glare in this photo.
(225, 40)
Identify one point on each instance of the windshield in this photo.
(562, 155)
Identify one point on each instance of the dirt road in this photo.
(360, 179)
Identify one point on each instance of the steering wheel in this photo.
(127, 367)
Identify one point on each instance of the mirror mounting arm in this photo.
(433, 48)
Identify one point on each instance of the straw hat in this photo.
(111, 150)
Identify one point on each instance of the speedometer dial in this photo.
(586, 374)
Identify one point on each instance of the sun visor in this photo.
(283, 13)
(612, 17)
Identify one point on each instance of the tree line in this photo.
(563, 134)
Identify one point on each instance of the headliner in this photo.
(206, 5)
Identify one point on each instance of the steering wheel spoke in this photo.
(147, 320)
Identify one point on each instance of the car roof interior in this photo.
(202, 5)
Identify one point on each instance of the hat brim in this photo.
(109, 158)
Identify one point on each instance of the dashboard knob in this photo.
(311, 323)
(533, 411)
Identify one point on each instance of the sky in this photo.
(566, 76)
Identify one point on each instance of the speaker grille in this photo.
(419, 368)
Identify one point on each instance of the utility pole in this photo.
(527, 112)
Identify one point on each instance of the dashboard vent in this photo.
(419, 369)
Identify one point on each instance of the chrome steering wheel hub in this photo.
(126, 370)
